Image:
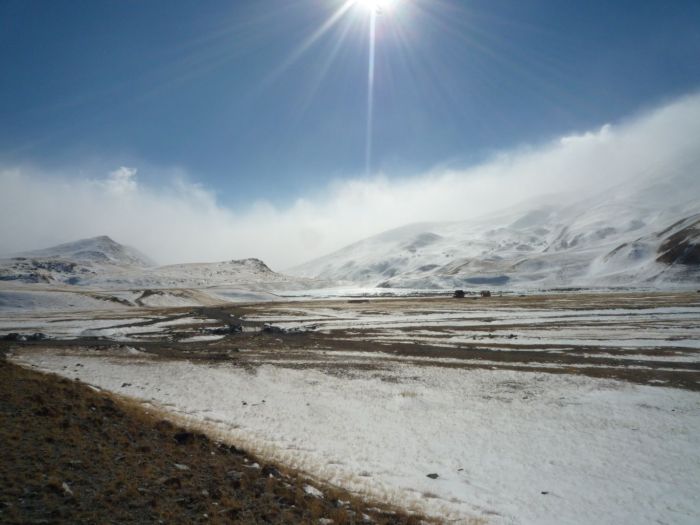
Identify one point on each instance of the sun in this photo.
(377, 6)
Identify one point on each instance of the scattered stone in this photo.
(66, 489)
(544, 492)
(184, 438)
(270, 471)
(164, 426)
(180, 466)
(172, 481)
(313, 491)
(433, 476)
(234, 478)
(124, 385)
(235, 450)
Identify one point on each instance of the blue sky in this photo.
(198, 86)
(200, 131)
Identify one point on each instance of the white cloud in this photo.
(121, 181)
(183, 221)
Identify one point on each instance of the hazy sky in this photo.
(225, 129)
(183, 221)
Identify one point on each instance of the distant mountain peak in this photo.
(100, 249)
(254, 263)
(102, 238)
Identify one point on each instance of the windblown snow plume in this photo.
(184, 222)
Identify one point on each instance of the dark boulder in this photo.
(184, 438)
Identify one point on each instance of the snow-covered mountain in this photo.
(250, 274)
(641, 233)
(101, 250)
(73, 263)
(101, 263)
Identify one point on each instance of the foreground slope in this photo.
(77, 456)
(640, 233)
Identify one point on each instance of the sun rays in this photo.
(362, 14)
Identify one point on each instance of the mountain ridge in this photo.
(581, 242)
(100, 262)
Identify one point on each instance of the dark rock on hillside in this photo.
(682, 247)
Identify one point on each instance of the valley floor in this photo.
(565, 408)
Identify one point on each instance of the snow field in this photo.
(508, 447)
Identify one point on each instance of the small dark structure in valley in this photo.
(485, 293)
(459, 294)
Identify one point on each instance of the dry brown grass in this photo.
(73, 455)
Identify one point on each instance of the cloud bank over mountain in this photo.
(182, 221)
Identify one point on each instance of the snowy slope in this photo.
(614, 238)
(97, 250)
(249, 274)
(65, 277)
(507, 447)
(73, 263)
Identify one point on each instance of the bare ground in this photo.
(73, 455)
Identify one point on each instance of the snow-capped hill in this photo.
(251, 267)
(635, 234)
(100, 249)
(103, 264)
(671, 255)
(251, 272)
(73, 263)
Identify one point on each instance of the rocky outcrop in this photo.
(682, 247)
